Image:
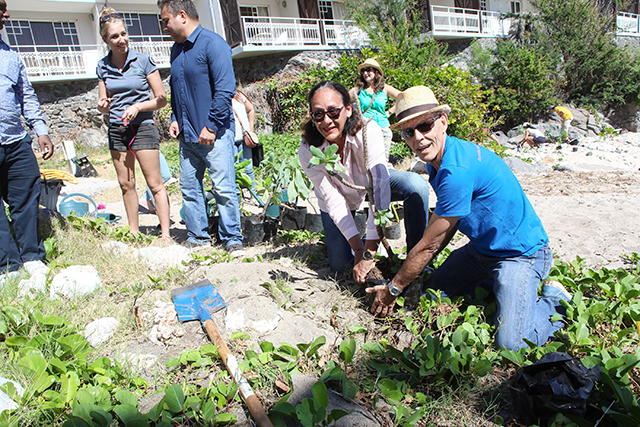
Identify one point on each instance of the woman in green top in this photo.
(373, 93)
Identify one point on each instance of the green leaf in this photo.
(347, 350)
(320, 396)
(69, 386)
(305, 411)
(225, 419)
(189, 356)
(174, 398)
(126, 397)
(315, 346)
(127, 413)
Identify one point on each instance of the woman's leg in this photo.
(413, 190)
(150, 164)
(124, 162)
(338, 248)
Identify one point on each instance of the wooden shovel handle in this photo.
(229, 360)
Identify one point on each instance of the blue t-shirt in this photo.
(474, 184)
(128, 86)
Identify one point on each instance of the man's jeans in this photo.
(409, 187)
(515, 281)
(218, 159)
(20, 188)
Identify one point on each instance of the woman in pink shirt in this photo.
(335, 121)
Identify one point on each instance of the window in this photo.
(254, 11)
(24, 36)
(515, 7)
(483, 4)
(144, 27)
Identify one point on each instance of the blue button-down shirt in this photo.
(202, 84)
(17, 97)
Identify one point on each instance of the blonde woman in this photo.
(373, 94)
(124, 79)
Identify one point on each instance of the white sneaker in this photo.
(555, 289)
(236, 250)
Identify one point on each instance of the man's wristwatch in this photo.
(210, 130)
(392, 289)
(368, 255)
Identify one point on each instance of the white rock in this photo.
(75, 281)
(36, 267)
(140, 361)
(116, 248)
(37, 283)
(418, 166)
(160, 258)
(6, 404)
(100, 331)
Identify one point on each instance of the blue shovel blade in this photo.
(197, 301)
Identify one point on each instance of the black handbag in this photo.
(257, 153)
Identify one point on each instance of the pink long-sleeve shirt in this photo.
(338, 200)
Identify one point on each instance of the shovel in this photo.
(197, 302)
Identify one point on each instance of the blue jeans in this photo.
(246, 155)
(514, 281)
(20, 189)
(165, 172)
(218, 159)
(409, 187)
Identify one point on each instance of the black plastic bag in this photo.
(257, 153)
(556, 383)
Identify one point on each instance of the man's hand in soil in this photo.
(361, 268)
(384, 302)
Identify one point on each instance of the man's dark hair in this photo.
(354, 123)
(175, 6)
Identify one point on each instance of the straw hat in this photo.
(370, 62)
(416, 102)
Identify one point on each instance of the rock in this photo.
(142, 362)
(92, 138)
(263, 316)
(6, 404)
(35, 284)
(161, 258)
(360, 416)
(35, 267)
(100, 331)
(418, 166)
(74, 282)
(116, 248)
(518, 166)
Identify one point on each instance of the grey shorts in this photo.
(145, 136)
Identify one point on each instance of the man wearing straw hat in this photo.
(478, 195)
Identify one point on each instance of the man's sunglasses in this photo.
(424, 127)
(106, 18)
(333, 114)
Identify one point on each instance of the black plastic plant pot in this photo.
(255, 231)
(393, 232)
(313, 223)
(49, 193)
(292, 217)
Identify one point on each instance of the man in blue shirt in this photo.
(202, 85)
(478, 195)
(19, 172)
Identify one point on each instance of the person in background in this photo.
(566, 117)
(148, 201)
(532, 137)
(335, 121)
(124, 79)
(202, 85)
(373, 93)
(245, 117)
(19, 172)
(478, 195)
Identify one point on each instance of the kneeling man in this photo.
(480, 196)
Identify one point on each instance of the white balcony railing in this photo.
(468, 22)
(275, 31)
(627, 24)
(44, 62)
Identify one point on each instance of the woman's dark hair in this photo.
(378, 82)
(354, 123)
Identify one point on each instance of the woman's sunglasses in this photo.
(424, 127)
(368, 70)
(333, 114)
(106, 18)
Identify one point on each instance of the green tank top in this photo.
(378, 107)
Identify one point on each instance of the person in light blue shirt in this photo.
(479, 196)
(202, 86)
(19, 172)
